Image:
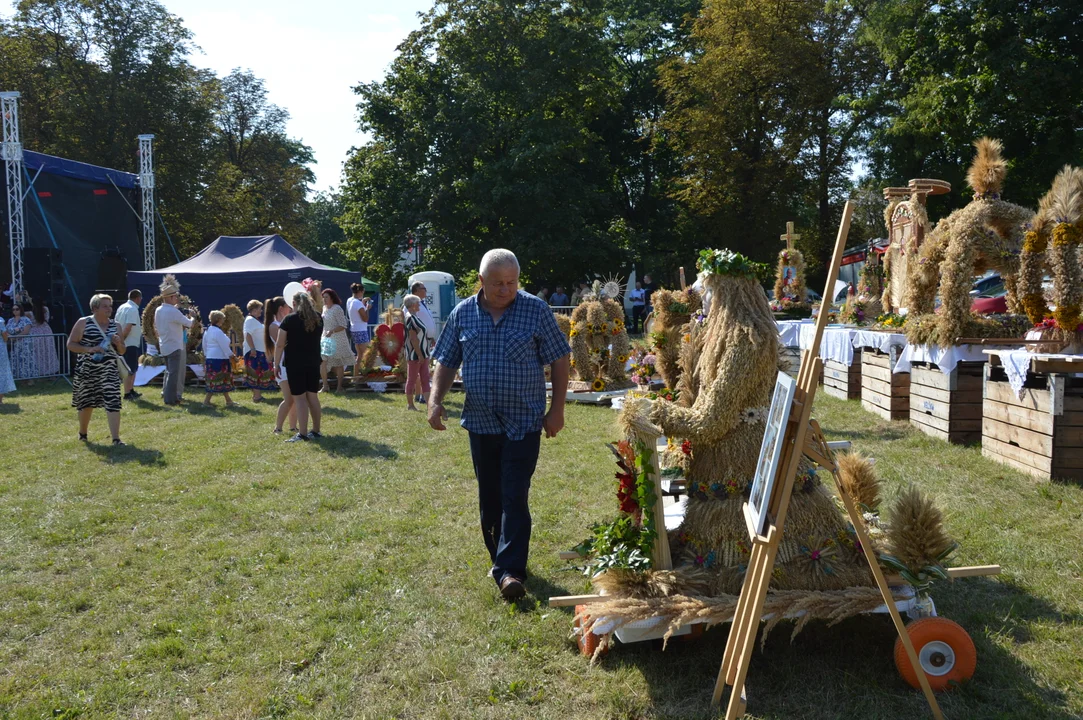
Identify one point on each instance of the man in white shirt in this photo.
(130, 330)
(170, 323)
(425, 316)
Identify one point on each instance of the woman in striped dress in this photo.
(96, 380)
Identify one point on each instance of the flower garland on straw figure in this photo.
(1053, 239)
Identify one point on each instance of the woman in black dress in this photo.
(299, 335)
(96, 380)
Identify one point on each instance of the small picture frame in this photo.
(767, 467)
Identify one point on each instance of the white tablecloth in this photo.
(882, 341)
(789, 331)
(944, 358)
(836, 344)
(146, 373)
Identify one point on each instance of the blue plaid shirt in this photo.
(502, 364)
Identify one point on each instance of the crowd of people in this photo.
(508, 335)
(286, 344)
(639, 298)
(29, 351)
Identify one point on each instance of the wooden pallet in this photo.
(841, 381)
(883, 392)
(1040, 434)
(947, 405)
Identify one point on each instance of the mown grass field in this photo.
(211, 570)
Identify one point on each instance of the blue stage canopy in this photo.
(238, 269)
(77, 170)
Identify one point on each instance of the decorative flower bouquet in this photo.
(643, 367)
(627, 541)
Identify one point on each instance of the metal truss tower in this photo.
(146, 184)
(13, 172)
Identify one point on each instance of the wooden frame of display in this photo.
(803, 438)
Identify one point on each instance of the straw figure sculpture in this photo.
(791, 295)
(987, 234)
(1053, 241)
(234, 326)
(819, 571)
(735, 376)
(600, 344)
(865, 305)
(896, 262)
(564, 322)
(673, 310)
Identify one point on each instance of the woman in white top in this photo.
(217, 369)
(357, 310)
(257, 370)
(276, 309)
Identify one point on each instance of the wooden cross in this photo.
(789, 237)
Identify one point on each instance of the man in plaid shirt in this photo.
(503, 338)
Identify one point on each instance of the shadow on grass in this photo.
(339, 412)
(848, 670)
(539, 590)
(149, 405)
(127, 454)
(881, 434)
(349, 446)
(9, 408)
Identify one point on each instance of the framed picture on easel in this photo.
(767, 467)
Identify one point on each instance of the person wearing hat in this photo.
(170, 323)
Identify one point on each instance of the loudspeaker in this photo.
(113, 274)
(43, 273)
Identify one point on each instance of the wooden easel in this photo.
(803, 438)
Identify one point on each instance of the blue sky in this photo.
(310, 54)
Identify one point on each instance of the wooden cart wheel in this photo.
(945, 651)
(587, 641)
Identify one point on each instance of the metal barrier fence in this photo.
(34, 357)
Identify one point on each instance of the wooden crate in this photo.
(1040, 434)
(841, 381)
(883, 392)
(947, 406)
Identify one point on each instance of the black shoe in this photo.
(117, 442)
(82, 436)
(298, 438)
(511, 588)
(315, 435)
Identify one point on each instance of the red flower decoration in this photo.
(686, 447)
(626, 493)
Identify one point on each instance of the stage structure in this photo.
(73, 228)
(13, 176)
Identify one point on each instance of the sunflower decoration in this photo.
(598, 385)
(622, 358)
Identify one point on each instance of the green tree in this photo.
(94, 74)
(768, 110)
(486, 134)
(534, 126)
(967, 68)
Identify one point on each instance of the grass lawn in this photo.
(211, 570)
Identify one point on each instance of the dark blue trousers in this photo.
(503, 468)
